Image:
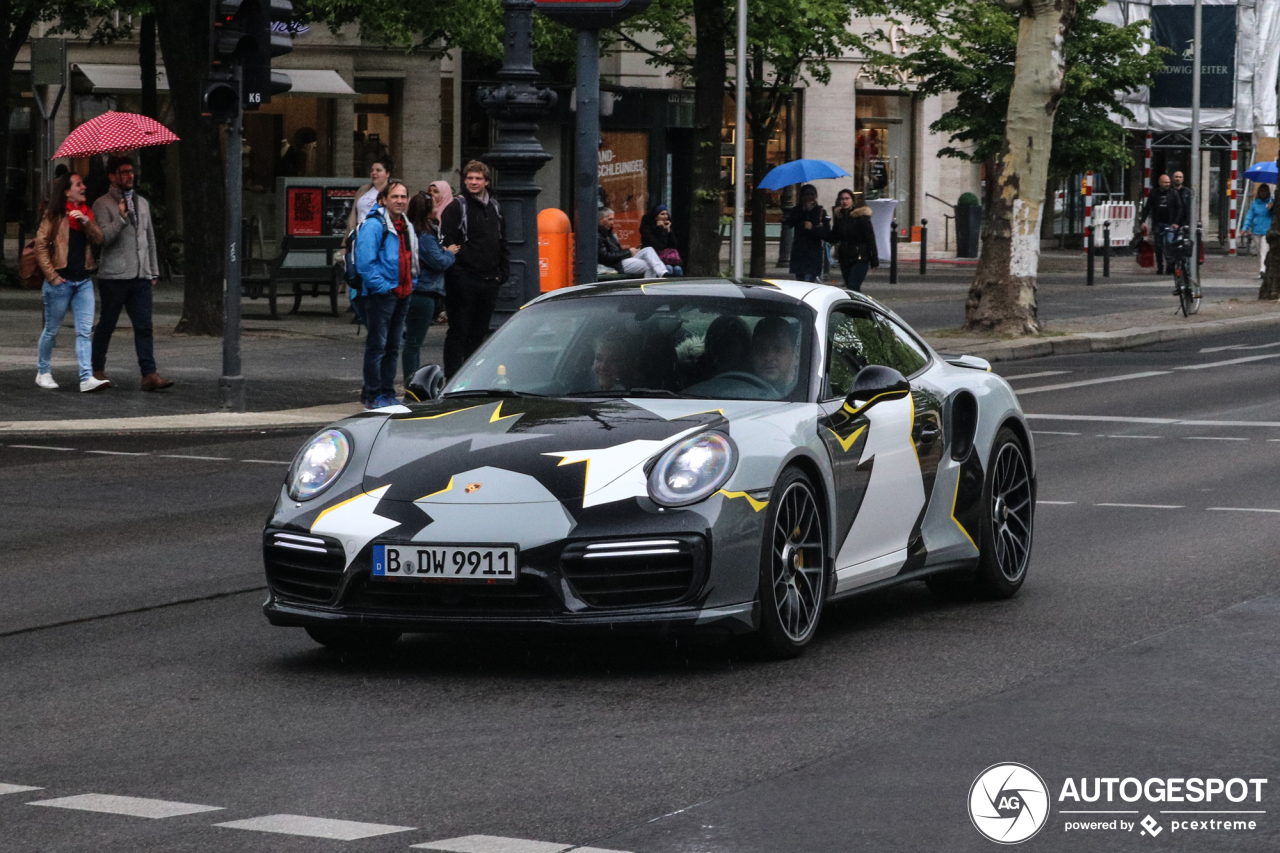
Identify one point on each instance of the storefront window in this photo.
(779, 152)
(372, 130)
(882, 156)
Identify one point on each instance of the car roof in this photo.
(815, 295)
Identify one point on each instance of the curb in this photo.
(314, 416)
(1120, 339)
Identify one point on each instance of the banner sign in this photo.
(1174, 27)
(624, 181)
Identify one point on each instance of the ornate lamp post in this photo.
(517, 155)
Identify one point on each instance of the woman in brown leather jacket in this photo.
(64, 252)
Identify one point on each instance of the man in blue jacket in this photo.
(387, 263)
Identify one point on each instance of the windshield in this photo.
(647, 345)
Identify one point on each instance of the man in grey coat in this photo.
(127, 272)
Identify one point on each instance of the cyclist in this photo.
(1165, 207)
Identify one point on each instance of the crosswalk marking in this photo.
(493, 844)
(17, 789)
(132, 806)
(314, 827)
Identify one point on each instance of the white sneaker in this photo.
(45, 380)
(92, 384)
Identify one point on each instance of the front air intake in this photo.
(634, 572)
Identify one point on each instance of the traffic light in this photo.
(243, 37)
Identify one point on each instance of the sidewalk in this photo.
(304, 370)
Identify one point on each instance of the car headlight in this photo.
(692, 470)
(318, 464)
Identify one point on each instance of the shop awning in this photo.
(127, 79)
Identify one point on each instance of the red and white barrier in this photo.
(1121, 215)
(1088, 209)
(1146, 170)
(1231, 194)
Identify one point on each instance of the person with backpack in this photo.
(474, 222)
(64, 250)
(428, 291)
(386, 262)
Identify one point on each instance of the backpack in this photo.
(355, 282)
(29, 269)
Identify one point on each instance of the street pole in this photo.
(1195, 134)
(516, 105)
(740, 141)
(586, 167)
(231, 384)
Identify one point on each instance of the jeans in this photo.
(78, 296)
(854, 274)
(469, 302)
(423, 308)
(134, 296)
(384, 315)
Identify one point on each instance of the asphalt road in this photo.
(136, 663)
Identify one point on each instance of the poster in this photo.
(304, 216)
(624, 180)
(337, 206)
(1173, 27)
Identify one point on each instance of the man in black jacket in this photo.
(1165, 207)
(474, 222)
(610, 253)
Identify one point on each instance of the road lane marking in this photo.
(1228, 361)
(1240, 346)
(1083, 382)
(6, 788)
(1054, 503)
(267, 461)
(116, 453)
(39, 447)
(1130, 436)
(1240, 509)
(131, 806)
(1120, 419)
(1036, 375)
(314, 827)
(1213, 438)
(1146, 506)
(492, 844)
(200, 458)
(1051, 432)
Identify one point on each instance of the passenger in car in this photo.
(725, 347)
(773, 353)
(615, 361)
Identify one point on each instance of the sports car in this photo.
(675, 456)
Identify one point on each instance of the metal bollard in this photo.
(924, 246)
(1088, 253)
(1199, 246)
(1106, 249)
(893, 251)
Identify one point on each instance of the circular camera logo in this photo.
(1008, 803)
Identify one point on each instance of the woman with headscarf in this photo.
(854, 239)
(428, 290)
(656, 234)
(811, 225)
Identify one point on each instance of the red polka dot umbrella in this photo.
(114, 132)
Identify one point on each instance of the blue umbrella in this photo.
(1263, 173)
(802, 171)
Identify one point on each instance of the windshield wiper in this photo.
(637, 392)
(491, 392)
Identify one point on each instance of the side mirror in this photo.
(875, 383)
(426, 384)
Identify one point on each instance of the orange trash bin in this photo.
(555, 250)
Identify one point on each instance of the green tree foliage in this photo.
(968, 47)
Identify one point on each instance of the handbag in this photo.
(670, 257)
(28, 268)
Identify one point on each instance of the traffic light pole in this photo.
(231, 384)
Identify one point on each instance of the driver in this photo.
(614, 361)
(773, 353)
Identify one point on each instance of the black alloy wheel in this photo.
(793, 567)
(1008, 519)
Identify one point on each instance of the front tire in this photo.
(353, 640)
(1008, 517)
(793, 568)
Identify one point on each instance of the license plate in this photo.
(454, 563)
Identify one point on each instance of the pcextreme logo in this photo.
(1008, 803)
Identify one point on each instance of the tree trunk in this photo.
(1270, 288)
(1002, 298)
(183, 27)
(708, 119)
(14, 36)
(761, 130)
(152, 157)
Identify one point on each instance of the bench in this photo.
(308, 263)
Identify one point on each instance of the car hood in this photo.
(519, 450)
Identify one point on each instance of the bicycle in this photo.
(1178, 248)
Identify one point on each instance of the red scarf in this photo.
(405, 287)
(83, 208)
